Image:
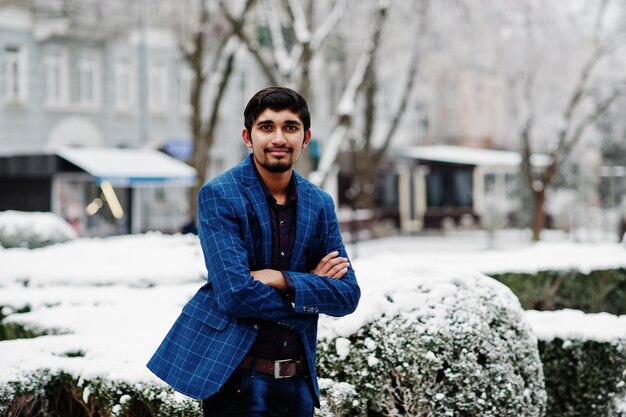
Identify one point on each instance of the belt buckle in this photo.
(277, 374)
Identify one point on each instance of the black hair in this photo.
(276, 98)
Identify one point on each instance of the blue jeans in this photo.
(248, 393)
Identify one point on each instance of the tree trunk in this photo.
(199, 159)
(539, 215)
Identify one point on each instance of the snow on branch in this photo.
(347, 104)
(345, 111)
(333, 18)
(410, 81)
(348, 98)
(300, 26)
(219, 78)
(279, 49)
(251, 44)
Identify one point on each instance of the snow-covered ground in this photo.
(112, 300)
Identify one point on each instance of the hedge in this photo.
(469, 353)
(466, 350)
(33, 229)
(597, 291)
(9, 331)
(584, 378)
(62, 395)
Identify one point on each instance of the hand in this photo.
(332, 266)
(270, 277)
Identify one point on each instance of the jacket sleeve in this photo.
(226, 259)
(324, 295)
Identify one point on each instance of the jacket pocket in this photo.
(211, 317)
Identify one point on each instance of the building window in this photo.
(157, 87)
(13, 74)
(449, 187)
(88, 86)
(124, 85)
(55, 64)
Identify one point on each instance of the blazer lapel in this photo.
(304, 224)
(255, 194)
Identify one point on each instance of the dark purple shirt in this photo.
(276, 341)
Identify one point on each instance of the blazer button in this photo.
(255, 326)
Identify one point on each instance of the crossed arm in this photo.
(331, 266)
(330, 288)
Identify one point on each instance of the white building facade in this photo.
(64, 84)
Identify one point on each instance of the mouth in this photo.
(278, 151)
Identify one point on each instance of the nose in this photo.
(279, 138)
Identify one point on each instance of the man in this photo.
(245, 343)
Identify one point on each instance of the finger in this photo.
(329, 265)
(338, 270)
(325, 264)
(340, 274)
(328, 257)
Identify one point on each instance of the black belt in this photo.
(283, 368)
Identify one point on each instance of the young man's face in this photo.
(276, 139)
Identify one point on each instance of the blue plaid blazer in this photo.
(217, 327)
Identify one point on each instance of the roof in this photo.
(467, 156)
(130, 167)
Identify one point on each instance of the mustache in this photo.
(278, 148)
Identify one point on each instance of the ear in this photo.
(307, 139)
(246, 138)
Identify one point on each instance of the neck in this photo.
(276, 182)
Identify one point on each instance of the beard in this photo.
(276, 166)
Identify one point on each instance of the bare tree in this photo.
(347, 105)
(369, 152)
(588, 98)
(358, 118)
(211, 69)
(295, 38)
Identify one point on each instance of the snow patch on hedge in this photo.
(395, 283)
(33, 229)
(576, 325)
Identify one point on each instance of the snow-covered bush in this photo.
(464, 348)
(337, 399)
(33, 230)
(584, 361)
(47, 394)
(584, 377)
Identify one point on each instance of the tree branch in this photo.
(282, 60)
(252, 45)
(598, 111)
(409, 84)
(322, 32)
(345, 108)
(299, 18)
(220, 78)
